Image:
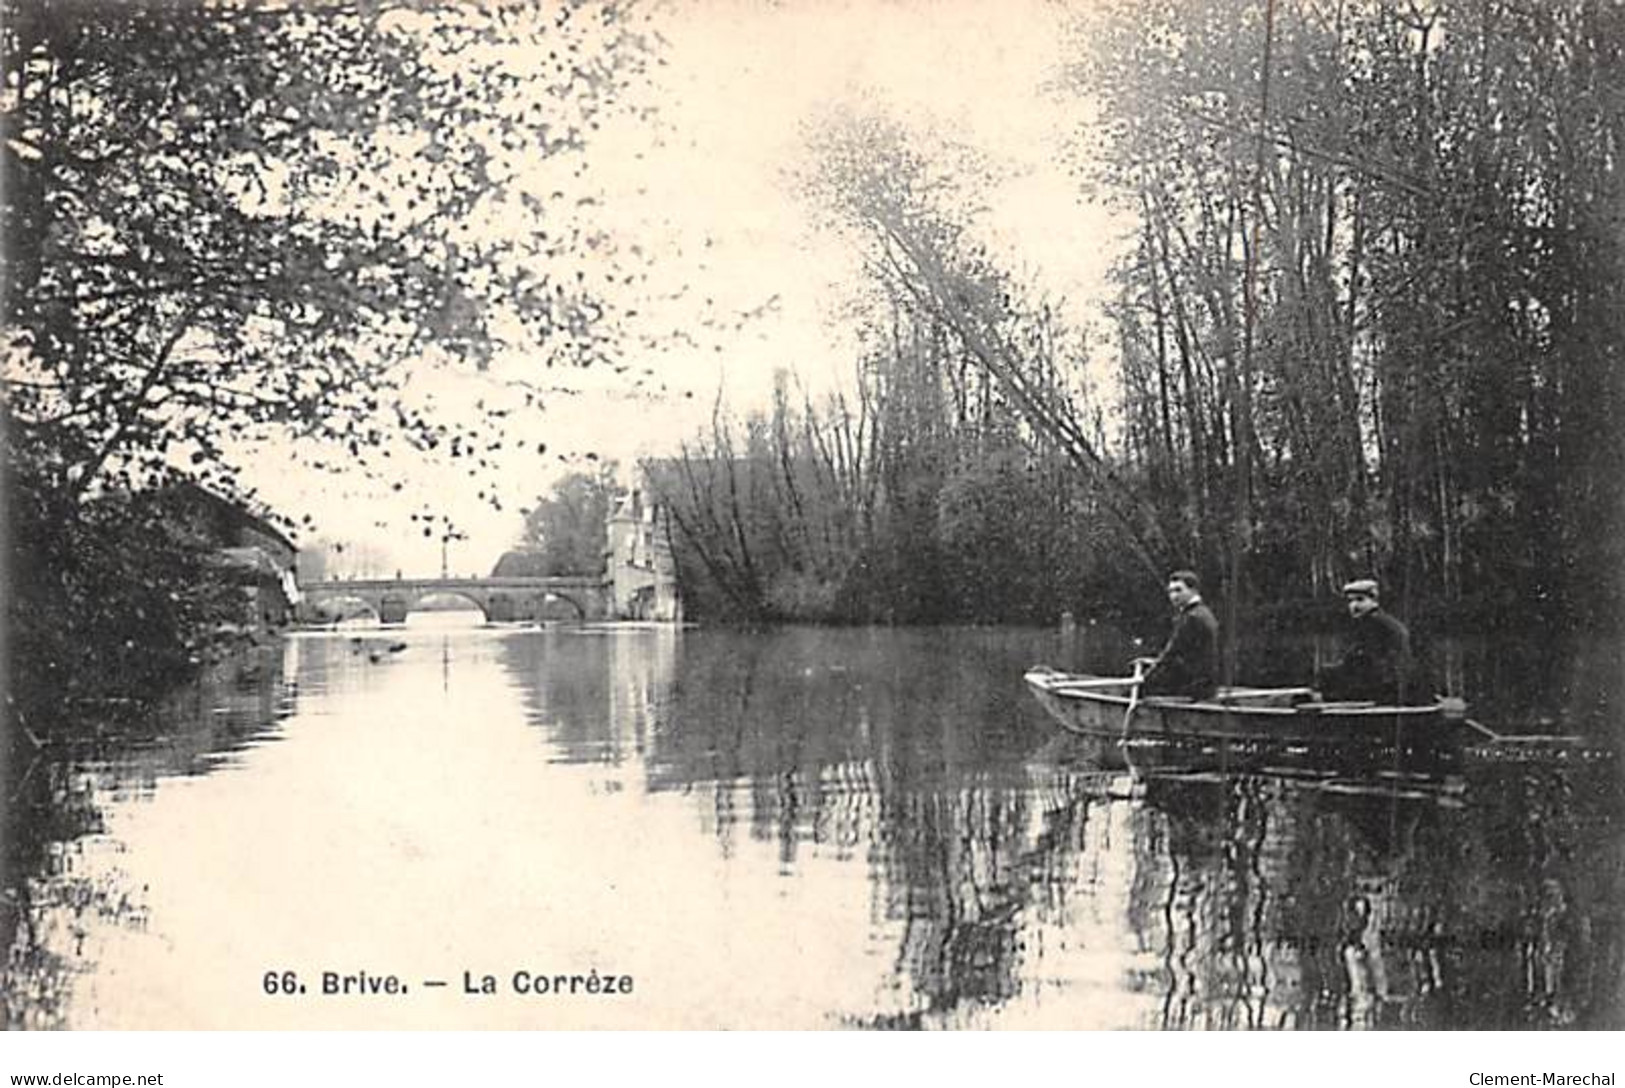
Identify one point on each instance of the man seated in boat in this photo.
(1189, 663)
(1378, 658)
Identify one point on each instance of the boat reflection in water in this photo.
(1023, 879)
(795, 828)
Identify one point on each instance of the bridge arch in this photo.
(547, 603)
(476, 602)
(499, 599)
(338, 607)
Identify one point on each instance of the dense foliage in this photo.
(1371, 323)
(123, 601)
(1375, 316)
(564, 531)
(917, 501)
(968, 478)
(224, 218)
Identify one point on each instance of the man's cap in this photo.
(1361, 587)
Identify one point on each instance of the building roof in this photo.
(248, 559)
(235, 513)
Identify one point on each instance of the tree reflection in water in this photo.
(1022, 883)
(59, 888)
(889, 801)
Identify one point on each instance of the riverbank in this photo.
(120, 596)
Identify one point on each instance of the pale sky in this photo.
(704, 195)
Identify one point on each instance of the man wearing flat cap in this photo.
(1377, 660)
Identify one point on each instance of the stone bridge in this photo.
(501, 599)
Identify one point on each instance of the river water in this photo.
(798, 828)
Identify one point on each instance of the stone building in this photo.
(638, 557)
(638, 570)
(253, 552)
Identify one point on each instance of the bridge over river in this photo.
(582, 597)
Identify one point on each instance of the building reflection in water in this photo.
(1019, 883)
(889, 806)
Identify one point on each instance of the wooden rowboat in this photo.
(1106, 707)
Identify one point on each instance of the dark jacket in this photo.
(1375, 666)
(1189, 663)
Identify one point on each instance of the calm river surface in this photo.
(797, 828)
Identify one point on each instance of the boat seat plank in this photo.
(1270, 697)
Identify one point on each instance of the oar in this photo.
(1093, 682)
(1134, 693)
(1133, 701)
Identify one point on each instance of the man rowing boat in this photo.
(1189, 662)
